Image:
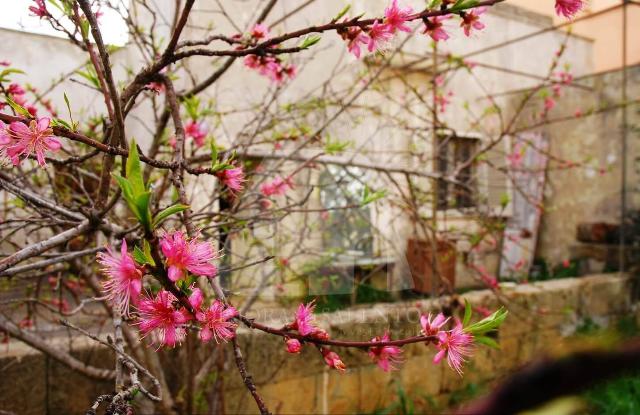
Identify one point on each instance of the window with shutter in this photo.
(452, 152)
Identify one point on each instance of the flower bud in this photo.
(293, 346)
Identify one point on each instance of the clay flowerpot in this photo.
(421, 264)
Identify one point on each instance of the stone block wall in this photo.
(541, 315)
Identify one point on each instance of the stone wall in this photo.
(591, 192)
(542, 314)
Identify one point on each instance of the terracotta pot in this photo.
(420, 259)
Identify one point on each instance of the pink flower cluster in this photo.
(386, 357)
(187, 255)
(124, 275)
(270, 66)
(304, 324)
(277, 187)
(197, 131)
(18, 95)
(124, 282)
(19, 141)
(569, 8)
(233, 178)
(39, 9)
(377, 35)
(454, 344)
(162, 316)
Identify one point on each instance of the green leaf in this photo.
(18, 108)
(344, 11)
(9, 71)
(139, 256)
(505, 199)
(369, 197)
(488, 324)
(91, 76)
(125, 186)
(467, 312)
(56, 5)
(487, 341)
(57, 122)
(127, 193)
(214, 155)
(84, 27)
(463, 5)
(171, 210)
(336, 146)
(147, 251)
(310, 41)
(143, 256)
(66, 100)
(192, 106)
(142, 204)
(134, 170)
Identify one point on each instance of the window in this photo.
(452, 152)
(16, 15)
(347, 228)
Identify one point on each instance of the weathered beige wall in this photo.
(605, 29)
(592, 191)
(542, 314)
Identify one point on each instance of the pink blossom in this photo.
(260, 31)
(568, 8)
(124, 278)
(265, 203)
(385, 356)
(432, 327)
(434, 27)
(578, 113)
(39, 10)
(355, 38)
(232, 178)
(455, 344)
(271, 67)
(304, 322)
(15, 89)
(196, 298)
(5, 63)
(566, 263)
(293, 346)
(187, 255)
(488, 279)
(98, 14)
(333, 360)
(197, 131)
(252, 61)
(36, 138)
(5, 138)
(471, 20)
(156, 87)
(395, 17)
(441, 101)
(159, 317)
(216, 322)
(278, 187)
(565, 77)
(379, 34)
(279, 73)
(516, 157)
(549, 103)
